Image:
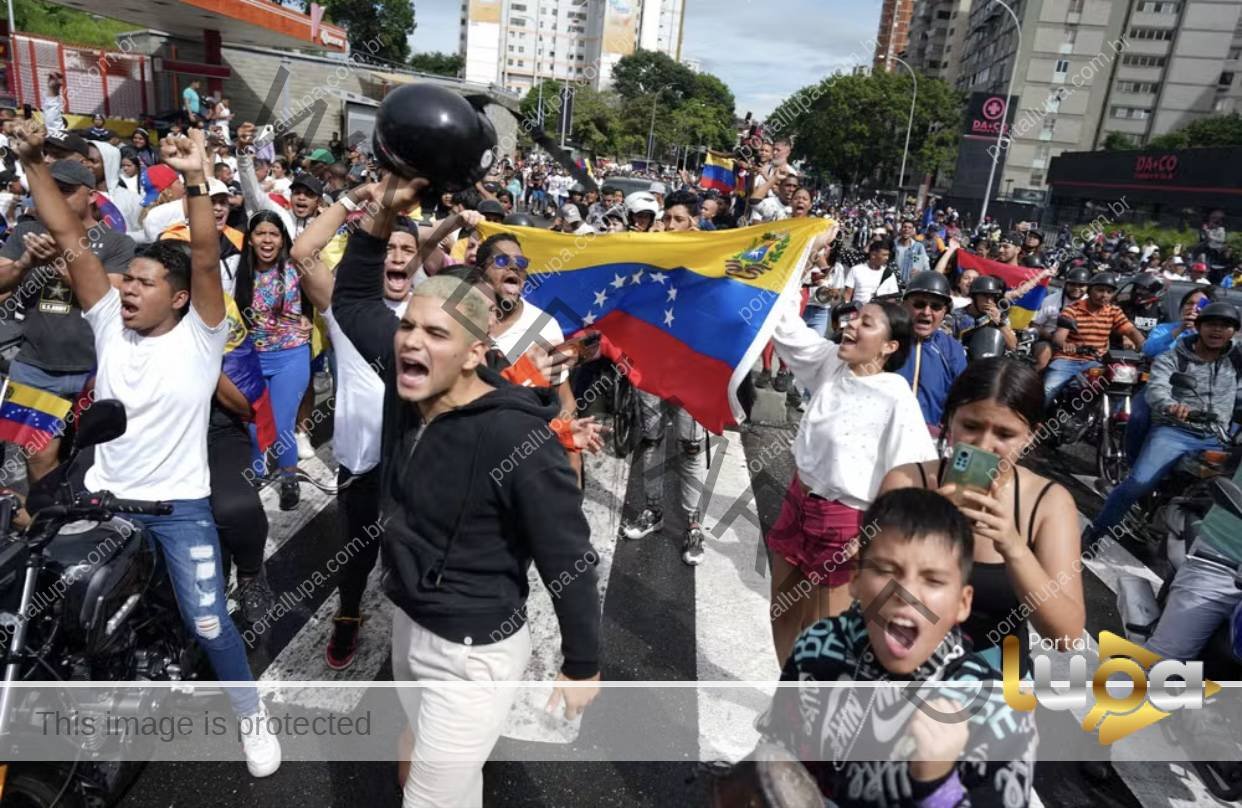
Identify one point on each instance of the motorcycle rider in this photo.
(936, 358)
(643, 209)
(986, 293)
(1045, 321)
(160, 344)
(1094, 319)
(1145, 304)
(1207, 357)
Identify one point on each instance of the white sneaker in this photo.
(305, 450)
(261, 746)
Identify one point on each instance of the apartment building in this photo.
(892, 35)
(937, 31)
(1083, 69)
(519, 43)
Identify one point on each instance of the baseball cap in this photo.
(322, 155)
(571, 214)
(658, 188)
(309, 182)
(71, 172)
(161, 176)
(215, 187)
(67, 141)
(1198, 266)
(1013, 237)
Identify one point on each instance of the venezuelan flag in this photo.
(718, 174)
(691, 310)
(241, 366)
(30, 417)
(1032, 285)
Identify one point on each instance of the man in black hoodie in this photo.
(474, 486)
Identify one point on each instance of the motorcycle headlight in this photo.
(1124, 374)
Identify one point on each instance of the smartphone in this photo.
(585, 346)
(971, 467)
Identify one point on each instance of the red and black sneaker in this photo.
(343, 645)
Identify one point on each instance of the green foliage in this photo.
(854, 126)
(1213, 131)
(1168, 238)
(1117, 141)
(67, 24)
(377, 28)
(441, 64)
(690, 109)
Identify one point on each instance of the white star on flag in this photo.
(600, 297)
(589, 319)
(672, 293)
(658, 277)
(618, 281)
(637, 278)
(668, 317)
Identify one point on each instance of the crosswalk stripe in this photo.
(284, 525)
(733, 634)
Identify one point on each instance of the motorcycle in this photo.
(1122, 374)
(1078, 422)
(84, 597)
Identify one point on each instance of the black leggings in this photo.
(235, 502)
(358, 504)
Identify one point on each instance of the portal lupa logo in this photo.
(1157, 687)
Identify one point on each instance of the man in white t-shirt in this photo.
(872, 278)
(54, 103)
(159, 342)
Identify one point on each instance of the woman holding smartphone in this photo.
(1026, 526)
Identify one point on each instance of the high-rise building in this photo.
(1084, 69)
(894, 30)
(937, 31)
(519, 43)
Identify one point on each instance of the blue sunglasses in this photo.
(503, 261)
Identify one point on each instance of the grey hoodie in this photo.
(1216, 384)
(126, 201)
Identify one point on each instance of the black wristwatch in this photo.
(196, 190)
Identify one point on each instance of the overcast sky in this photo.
(763, 49)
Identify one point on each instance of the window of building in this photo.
(1037, 179)
(1225, 80)
(1050, 125)
(943, 15)
(1155, 34)
(1075, 6)
(1149, 7)
(1137, 86)
(1071, 35)
(1224, 105)
(1062, 66)
(1139, 60)
(517, 7)
(1235, 54)
(1132, 113)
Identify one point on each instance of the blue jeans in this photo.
(1164, 447)
(1140, 423)
(65, 385)
(817, 318)
(287, 373)
(191, 551)
(1060, 371)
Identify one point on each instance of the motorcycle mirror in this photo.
(1183, 381)
(105, 420)
(1227, 495)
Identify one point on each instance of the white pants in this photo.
(454, 728)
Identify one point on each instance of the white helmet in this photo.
(642, 202)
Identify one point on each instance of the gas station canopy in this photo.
(247, 22)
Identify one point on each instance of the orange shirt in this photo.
(1094, 326)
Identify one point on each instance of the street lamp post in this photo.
(1000, 133)
(655, 102)
(909, 124)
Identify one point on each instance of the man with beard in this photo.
(1009, 248)
(935, 358)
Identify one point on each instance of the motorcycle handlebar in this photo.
(143, 507)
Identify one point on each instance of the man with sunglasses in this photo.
(936, 358)
(58, 349)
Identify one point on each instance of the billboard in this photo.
(985, 112)
(484, 10)
(620, 27)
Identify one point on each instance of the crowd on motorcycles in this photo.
(900, 360)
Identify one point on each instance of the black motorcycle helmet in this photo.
(984, 343)
(987, 285)
(1108, 279)
(1221, 311)
(929, 282)
(519, 220)
(1148, 287)
(423, 130)
(1078, 275)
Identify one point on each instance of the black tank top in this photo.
(995, 603)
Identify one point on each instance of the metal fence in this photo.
(110, 83)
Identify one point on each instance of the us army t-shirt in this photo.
(56, 337)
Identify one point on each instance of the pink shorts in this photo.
(816, 535)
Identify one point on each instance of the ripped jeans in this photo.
(191, 550)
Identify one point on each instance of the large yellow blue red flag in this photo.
(718, 173)
(1026, 286)
(692, 311)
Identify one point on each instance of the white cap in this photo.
(1134, 248)
(215, 187)
(658, 188)
(1177, 259)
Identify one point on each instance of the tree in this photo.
(1217, 130)
(441, 64)
(1117, 141)
(854, 126)
(378, 29)
(690, 109)
(595, 124)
